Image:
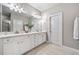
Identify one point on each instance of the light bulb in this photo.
(15, 9)
(19, 10)
(17, 6)
(22, 9)
(11, 6)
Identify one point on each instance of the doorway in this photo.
(56, 28)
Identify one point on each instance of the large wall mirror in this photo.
(10, 20)
(16, 18)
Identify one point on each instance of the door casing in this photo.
(60, 28)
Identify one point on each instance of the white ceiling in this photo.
(42, 6)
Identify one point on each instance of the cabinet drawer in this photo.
(8, 40)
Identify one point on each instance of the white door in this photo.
(56, 28)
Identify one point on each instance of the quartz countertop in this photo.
(19, 34)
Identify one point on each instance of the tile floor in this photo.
(50, 49)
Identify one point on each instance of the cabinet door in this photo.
(24, 44)
(10, 46)
(36, 40)
(32, 40)
(39, 40)
(43, 37)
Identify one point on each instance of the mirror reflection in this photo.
(16, 18)
(6, 19)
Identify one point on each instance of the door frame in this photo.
(61, 14)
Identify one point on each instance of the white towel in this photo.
(76, 28)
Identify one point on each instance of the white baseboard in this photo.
(73, 49)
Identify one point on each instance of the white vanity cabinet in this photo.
(16, 45)
(10, 46)
(25, 44)
(38, 39)
(44, 38)
(32, 39)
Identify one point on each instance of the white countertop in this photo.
(19, 34)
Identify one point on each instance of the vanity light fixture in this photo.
(15, 7)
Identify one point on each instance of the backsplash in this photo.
(37, 25)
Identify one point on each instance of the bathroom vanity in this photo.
(17, 44)
(13, 39)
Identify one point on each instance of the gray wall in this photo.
(70, 11)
